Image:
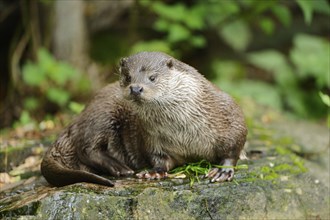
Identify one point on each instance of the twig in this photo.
(207, 209)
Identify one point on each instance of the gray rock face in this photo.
(288, 197)
(278, 184)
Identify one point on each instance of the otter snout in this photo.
(136, 90)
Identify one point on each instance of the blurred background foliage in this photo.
(55, 54)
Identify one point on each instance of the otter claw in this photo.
(152, 174)
(220, 175)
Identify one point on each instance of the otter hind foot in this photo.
(155, 173)
(226, 173)
(221, 175)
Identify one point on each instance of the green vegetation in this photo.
(275, 51)
(298, 72)
(274, 170)
(49, 77)
(293, 59)
(194, 170)
(326, 100)
(50, 81)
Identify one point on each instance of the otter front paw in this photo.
(156, 173)
(221, 175)
(118, 170)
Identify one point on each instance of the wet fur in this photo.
(179, 117)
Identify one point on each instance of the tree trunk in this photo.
(70, 37)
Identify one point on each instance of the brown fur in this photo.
(162, 115)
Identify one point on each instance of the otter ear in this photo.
(123, 69)
(170, 63)
(123, 62)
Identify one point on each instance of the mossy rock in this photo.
(278, 184)
(288, 196)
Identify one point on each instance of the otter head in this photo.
(149, 77)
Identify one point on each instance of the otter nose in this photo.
(136, 90)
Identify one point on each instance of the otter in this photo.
(161, 114)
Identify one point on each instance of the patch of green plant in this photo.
(297, 161)
(50, 81)
(292, 169)
(180, 24)
(233, 20)
(326, 100)
(76, 107)
(194, 170)
(50, 77)
(185, 26)
(268, 173)
(309, 57)
(25, 119)
(306, 63)
(274, 172)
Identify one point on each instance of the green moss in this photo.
(282, 150)
(289, 164)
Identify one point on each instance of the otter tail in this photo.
(58, 175)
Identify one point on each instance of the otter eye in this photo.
(128, 78)
(152, 78)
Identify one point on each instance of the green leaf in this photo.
(325, 99)
(261, 6)
(198, 41)
(310, 56)
(262, 93)
(31, 103)
(154, 45)
(218, 11)
(58, 96)
(25, 118)
(83, 84)
(267, 25)
(322, 6)
(46, 62)
(307, 9)
(76, 107)
(145, 3)
(32, 74)
(275, 63)
(195, 17)
(228, 70)
(178, 33)
(270, 60)
(162, 25)
(175, 12)
(237, 34)
(295, 100)
(283, 14)
(62, 73)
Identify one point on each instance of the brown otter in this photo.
(162, 114)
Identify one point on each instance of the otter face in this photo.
(144, 76)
